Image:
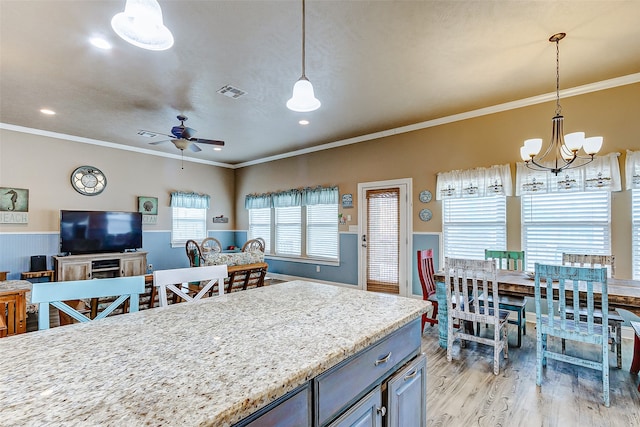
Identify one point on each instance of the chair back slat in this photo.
(590, 260)
(506, 260)
(54, 293)
(177, 280)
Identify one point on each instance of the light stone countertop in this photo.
(213, 362)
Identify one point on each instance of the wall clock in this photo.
(426, 214)
(88, 180)
(425, 196)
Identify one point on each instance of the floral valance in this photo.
(190, 200)
(479, 182)
(603, 174)
(295, 197)
(632, 170)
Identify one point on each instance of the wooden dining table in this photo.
(622, 294)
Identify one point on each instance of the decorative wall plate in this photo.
(88, 180)
(425, 196)
(426, 214)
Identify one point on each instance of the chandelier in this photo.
(563, 151)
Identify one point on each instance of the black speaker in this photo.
(38, 263)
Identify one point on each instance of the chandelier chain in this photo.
(303, 39)
(558, 107)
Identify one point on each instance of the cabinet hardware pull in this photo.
(382, 411)
(411, 375)
(383, 360)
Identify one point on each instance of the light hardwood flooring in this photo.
(465, 392)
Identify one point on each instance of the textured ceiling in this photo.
(375, 65)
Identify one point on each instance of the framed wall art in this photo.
(148, 205)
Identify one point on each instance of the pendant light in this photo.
(303, 99)
(141, 25)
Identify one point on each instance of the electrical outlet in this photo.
(150, 267)
(317, 269)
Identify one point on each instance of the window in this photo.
(296, 223)
(188, 223)
(635, 225)
(322, 231)
(288, 229)
(260, 226)
(471, 225)
(575, 222)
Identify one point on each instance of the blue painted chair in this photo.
(54, 293)
(510, 260)
(576, 287)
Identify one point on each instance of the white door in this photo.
(385, 227)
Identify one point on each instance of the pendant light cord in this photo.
(303, 40)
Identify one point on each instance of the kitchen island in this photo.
(214, 362)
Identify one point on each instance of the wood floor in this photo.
(464, 392)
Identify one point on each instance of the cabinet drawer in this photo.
(343, 384)
(291, 410)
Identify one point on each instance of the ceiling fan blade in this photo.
(207, 141)
(158, 142)
(193, 147)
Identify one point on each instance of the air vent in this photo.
(147, 134)
(231, 92)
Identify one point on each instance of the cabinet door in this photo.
(406, 396)
(293, 410)
(367, 412)
(132, 266)
(80, 270)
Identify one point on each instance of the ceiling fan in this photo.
(182, 137)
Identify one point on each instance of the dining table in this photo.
(622, 294)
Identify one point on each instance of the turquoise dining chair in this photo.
(561, 286)
(48, 294)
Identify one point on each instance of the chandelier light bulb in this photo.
(574, 141)
(592, 145)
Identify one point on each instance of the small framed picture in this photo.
(14, 199)
(148, 205)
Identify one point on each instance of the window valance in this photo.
(479, 182)
(603, 174)
(632, 170)
(295, 197)
(190, 200)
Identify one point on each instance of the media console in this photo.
(98, 266)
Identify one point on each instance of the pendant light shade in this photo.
(141, 25)
(303, 99)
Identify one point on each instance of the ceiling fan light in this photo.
(303, 99)
(181, 144)
(141, 25)
(574, 140)
(592, 145)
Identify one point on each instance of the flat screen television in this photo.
(86, 232)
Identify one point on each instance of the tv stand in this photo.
(99, 266)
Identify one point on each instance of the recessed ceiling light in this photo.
(217, 149)
(304, 122)
(47, 112)
(100, 43)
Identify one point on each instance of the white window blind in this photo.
(322, 231)
(260, 226)
(471, 225)
(188, 223)
(383, 228)
(573, 222)
(288, 228)
(635, 225)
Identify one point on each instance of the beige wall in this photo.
(483, 141)
(44, 165)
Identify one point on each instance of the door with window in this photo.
(385, 227)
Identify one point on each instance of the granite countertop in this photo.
(213, 362)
